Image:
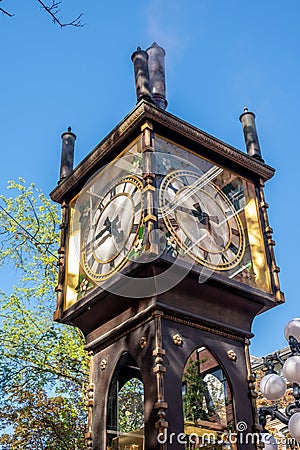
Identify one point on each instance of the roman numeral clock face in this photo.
(112, 225)
(201, 219)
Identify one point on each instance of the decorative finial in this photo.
(250, 134)
(67, 153)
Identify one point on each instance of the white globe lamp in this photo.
(272, 386)
(291, 369)
(292, 328)
(294, 426)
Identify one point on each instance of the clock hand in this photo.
(95, 238)
(202, 216)
(194, 188)
(104, 239)
(112, 228)
(119, 235)
(205, 219)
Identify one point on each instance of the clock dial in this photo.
(111, 228)
(201, 219)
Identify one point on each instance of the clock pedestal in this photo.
(152, 340)
(160, 293)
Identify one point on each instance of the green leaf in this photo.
(141, 232)
(43, 364)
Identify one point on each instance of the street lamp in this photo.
(273, 387)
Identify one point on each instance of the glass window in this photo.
(125, 407)
(207, 403)
(210, 215)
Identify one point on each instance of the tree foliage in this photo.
(193, 400)
(131, 406)
(51, 8)
(43, 367)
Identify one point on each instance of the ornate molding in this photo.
(209, 141)
(90, 392)
(270, 243)
(97, 154)
(61, 262)
(159, 370)
(201, 326)
(144, 111)
(252, 385)
(117, 334)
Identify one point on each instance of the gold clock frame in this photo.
(167, 221)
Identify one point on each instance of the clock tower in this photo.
(166, 257)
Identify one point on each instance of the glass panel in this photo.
(210, 215)
(131, 406)
(106, 215)
(207, 403)
(125, 408)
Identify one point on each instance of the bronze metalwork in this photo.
(217, 314)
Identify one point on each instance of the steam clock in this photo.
(166, 257)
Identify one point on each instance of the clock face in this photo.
(201, 219)
(111, 228)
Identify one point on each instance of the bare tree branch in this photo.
(6, 12)
(53, 10)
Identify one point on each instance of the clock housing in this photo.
(192, 202)
(211, 214)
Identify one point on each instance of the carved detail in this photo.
(231, 355)
(89, 440)
(159, 369)
(61, 262)
(253, 394)
(270, 243)
(208, 328)
(103, 364)
(90, 404)
(177, 339)
(148, 176)
(143, 342)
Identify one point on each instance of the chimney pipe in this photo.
(141, 73)
(67, 153)
(247, 119)
(156, 65)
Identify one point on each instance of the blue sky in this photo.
(221, 56)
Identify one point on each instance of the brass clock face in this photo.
(111, 229)
(201, 219)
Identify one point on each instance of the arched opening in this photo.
(125, 407)
(207, 403)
